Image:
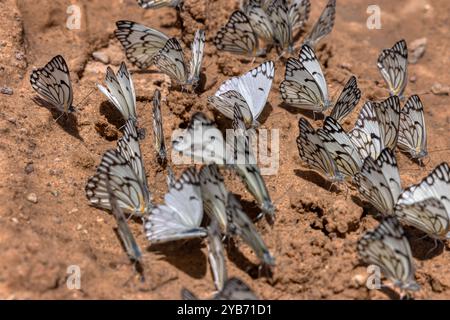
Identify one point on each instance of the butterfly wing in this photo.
(216, 255)
(237, 35)
(197, 49)
(141, 43)
(182, 213)
(412, 135)
(388, 248)
(347, 100)
(156, 4)
(225, 102)
(278, 12)
(312, 151)
(158, 132)
(299, 13)
(170, 60)
(52, 83)
(393, 64)
(324, 25)
(388, 115)
(260, 22)
(235, 289)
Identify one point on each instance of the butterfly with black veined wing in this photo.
(412, 135)
(323, 26)
(141, 43)
(120, 92)
(52, 83)
(181, 214)
(124, 169)
(237, 36)
(376, 127)
(304, 84)
(347, 101)
(426, 205)
(312, 150)
(379, 181)
(249, 91)
(170, 60)
(387, 247)
(393, 64)
(158, 133)
(216, 255)
(234, 289)
(156, 4)
(132, 248)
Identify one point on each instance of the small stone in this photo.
(29, 168)
(20, 55)
(15, 220)
(12, 120)
(436, 285)
(417, 49)
(346, 66)
(413, 79)
(6, 90)
(100, 220)
(32, 197)
(440, 90)
(55, 193)
(74, 210)
(101, 56)
(79, 227)
(358, 280)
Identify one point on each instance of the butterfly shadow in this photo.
(185, 255)
(422, 246)
(317, 179)
(138, 266)
(67, 122)
(306, 113)
(112, 115)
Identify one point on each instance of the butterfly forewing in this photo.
(195, 64)
(393, 65)
(324, 25)
(170, 60)
(412, 135)
(158, 132)
(347, 101)
(388, 115)
(216, 255)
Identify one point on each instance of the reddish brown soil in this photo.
(314, 236)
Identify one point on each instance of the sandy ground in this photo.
(315, 234)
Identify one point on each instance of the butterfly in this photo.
(323, 26)
(216, 255)
(379, 181)
(304, 84)
(239, 224)
(132, 248)
(52, 83)
(388, 248)
(412, 134)
(237, 36)
(312, 151)
(339, 145)
(426, 205)
(393, 65)
(377, 127)
(120, 91)
(156, 4)
(234, 289)
(158, 133)
(141, 43)
(170, 60)
(249, 91)
(347, 101)
(181, 215)
(124, 170)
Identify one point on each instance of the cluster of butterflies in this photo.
(365, 154)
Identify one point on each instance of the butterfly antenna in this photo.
(63, 113)
(84, 99)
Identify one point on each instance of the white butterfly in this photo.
(237, 36)
(377, 127)
(120, 91)
(170, 60)
(388, 248)
(216, 255)
(158, 132)
(426, 205)
(240, 224)
(339, 145)
(304, 84)
(249, 91)
(347, 100)
(181, 215)
(323, 26)
(234, 289)
(52, 83)
(155, 4)
(124, 170)
(312, 150)
(412, 135)
(393, 65)
(132, 248)
(141, 43)
(379, 181)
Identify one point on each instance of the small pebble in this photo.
(413, 79)
(79, 227)
(55, 193)
(417, 49)
(100, 220)
(15, 220)
(74, 210)
(32, 197)
(100, 56)
(440, 90)
(6, 90)
(29, 168)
